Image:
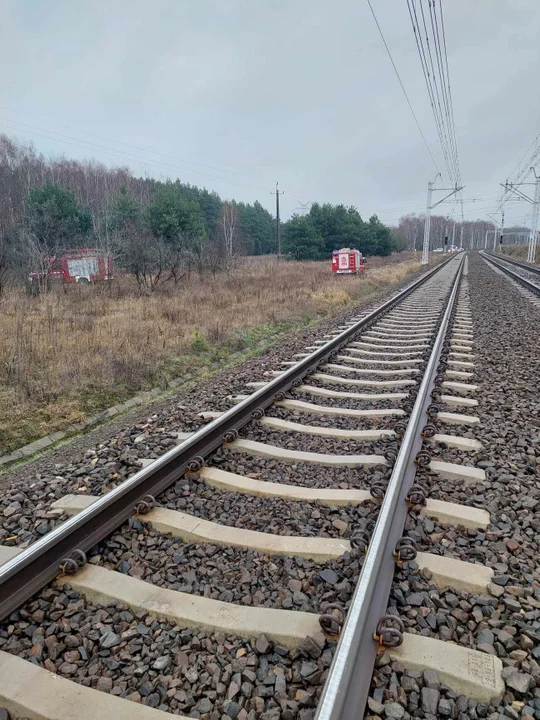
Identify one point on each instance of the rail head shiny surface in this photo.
(342, 682)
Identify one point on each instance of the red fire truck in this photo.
(80, 265)
(348, 262)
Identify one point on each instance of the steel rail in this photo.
(28, 572)
(347, 687)
(512, 261)
(515, 276)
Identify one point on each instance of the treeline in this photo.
(331, 227)
(409, 233)
(158, 231)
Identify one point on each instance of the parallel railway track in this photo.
(523, 274)
(398, 380)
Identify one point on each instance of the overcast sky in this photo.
(236, 94)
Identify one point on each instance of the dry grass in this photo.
(519, 252)
(66, 355)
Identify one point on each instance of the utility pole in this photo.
(531, 255)
(429, 208)
(303, 207)
(425, 246)
(454, 233)
(502, 228)
(485, 240)
(494, 232)
(278, 224)
(535, 202)
(461, 237)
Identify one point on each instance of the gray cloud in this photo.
(251, 92)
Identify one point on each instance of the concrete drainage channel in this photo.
(45, 443)
(160, 614)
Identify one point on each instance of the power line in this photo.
(87, 145)
(445, 74)
(436, 95)
(115, 152)
(120, 142)
(449, 90)
(402, 86)
(522, 169)
(444, 80)
(426, 61)
(430, 37)
(528, 163)
(415, 208)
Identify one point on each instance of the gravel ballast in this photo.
(505, 620)
(150, 666)
(155, 663)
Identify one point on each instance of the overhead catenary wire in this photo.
(444, 79)
(520, 172)
(436, 95)
(426, 61)
(521, 162)
(430, 37)
(473, 212)
(444, 74)
(402, 86)
(529, 158)
(452, 117)
(413, 208)
(430, 40)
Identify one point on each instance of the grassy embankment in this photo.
(519, 252)
(69, 354)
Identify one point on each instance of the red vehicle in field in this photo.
(80, 265)
(348, 262)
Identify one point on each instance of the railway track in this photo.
(270, 546)
(525, 277)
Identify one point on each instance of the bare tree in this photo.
(142, 255)
(35, 255)
(6, 259)
(412, 229)
(229, 231)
